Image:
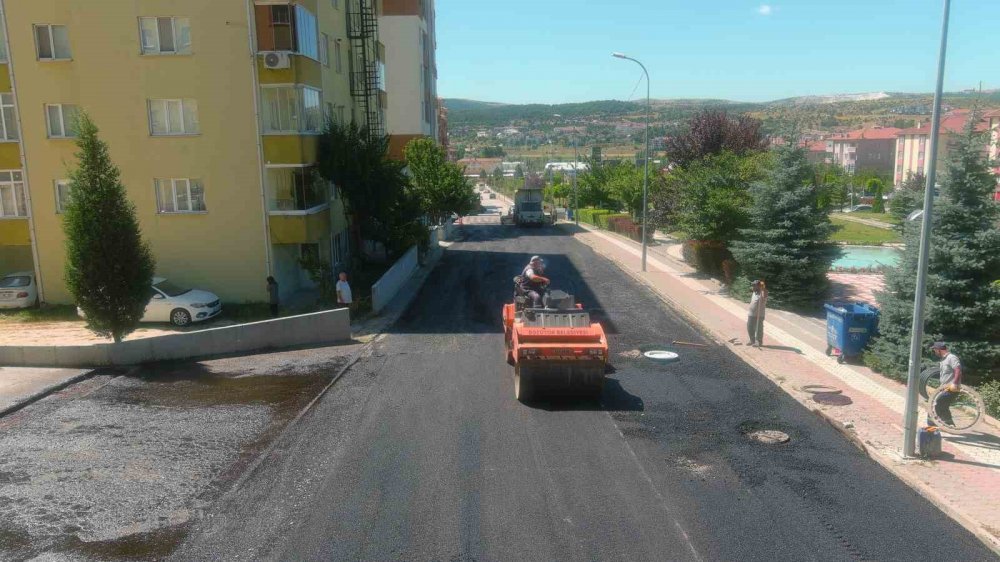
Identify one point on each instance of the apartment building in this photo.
(408, 32)
(993, 120)
(913, 144)
(212, 111)
(864, 149)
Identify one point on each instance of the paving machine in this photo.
(555, 350)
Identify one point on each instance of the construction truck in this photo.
(528, 207)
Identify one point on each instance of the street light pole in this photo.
(576, 199)
(917, 330)
(645, 176)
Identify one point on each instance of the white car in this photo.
(18, 290)
(178, 305)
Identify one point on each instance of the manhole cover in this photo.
(832, 399)
(769, 436)
(661, 356)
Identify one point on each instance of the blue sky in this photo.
(553, 51)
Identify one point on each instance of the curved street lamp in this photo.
(645, 177)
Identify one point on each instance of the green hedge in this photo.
(604, 220)
(590, 216)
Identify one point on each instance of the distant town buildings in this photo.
(912, 144)
(864, 149)
(474, 167)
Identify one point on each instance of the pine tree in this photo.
(963, 303)
(109, 268)
(787, 244)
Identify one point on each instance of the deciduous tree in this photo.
(714, 131)
(440, 186)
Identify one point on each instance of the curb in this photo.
(888, 463)
(46, 392)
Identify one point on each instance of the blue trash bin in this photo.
(849, 327)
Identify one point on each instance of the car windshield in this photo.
(171, 290)
(531, 206)
(15, 281)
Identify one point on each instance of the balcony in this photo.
(306, 228)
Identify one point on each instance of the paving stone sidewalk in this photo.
(866, 407)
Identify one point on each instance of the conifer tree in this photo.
(877, 186)
(963, 300)
(109, 268)
(787, 244)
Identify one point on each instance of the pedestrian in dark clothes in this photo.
(272, 295)
(755, 317)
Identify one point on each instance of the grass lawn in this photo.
(48, 313)
(880, 217)
(862, 234)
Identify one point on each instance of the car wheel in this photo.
(180, 317)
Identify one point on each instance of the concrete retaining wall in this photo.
(389, 284)
(308, 329)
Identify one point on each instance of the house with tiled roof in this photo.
(819, 152)
(913, 144)
(864, 149)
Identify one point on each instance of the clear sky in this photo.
(554, 51)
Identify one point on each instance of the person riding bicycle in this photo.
(533, 283)
(951, 382)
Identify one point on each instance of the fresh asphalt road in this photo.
(421, 451)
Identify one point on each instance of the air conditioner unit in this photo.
(275, 60)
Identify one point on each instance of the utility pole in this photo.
(917, 330)
(576, 199)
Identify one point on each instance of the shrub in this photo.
(590, 216)
(626, 227)
(603, 221)
(707, 256)
(990, 392)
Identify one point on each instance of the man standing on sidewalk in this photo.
(755, 318)
(951, 381)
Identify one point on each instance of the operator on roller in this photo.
(532, 282)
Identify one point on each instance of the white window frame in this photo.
(271, 195)
(64, 127)
(186, 105)
(3, 44)
(62, 191)
(300, 110)
(179, 48)
(52, 43)
(8, 124)
(174, 184)
(16, 188)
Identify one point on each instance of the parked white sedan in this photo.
(178, 305)
(18, 290)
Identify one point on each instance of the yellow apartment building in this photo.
(408, 31)
(212, 111)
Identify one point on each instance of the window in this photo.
(165, 36)
(62, 188)
(8, 119)
(329, 111)
(3, 44)
(337, 57)
(340, 114)
(173, 117)
(306, 32)
(294, 109)
(324, 49)
(180, 196)
(335, 4)
(12, 194)
(52, 42)
(61, 120)
(281, 28)
(295, 189)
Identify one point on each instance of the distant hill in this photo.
(489, 114)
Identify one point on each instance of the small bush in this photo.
(740, 288)
(622, 224)
(707, 256)
(990, 392)
(603, 220)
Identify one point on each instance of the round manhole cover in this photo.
(769, 436)
(661, 356)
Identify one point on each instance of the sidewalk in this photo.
(863, 405)
(20, 386)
